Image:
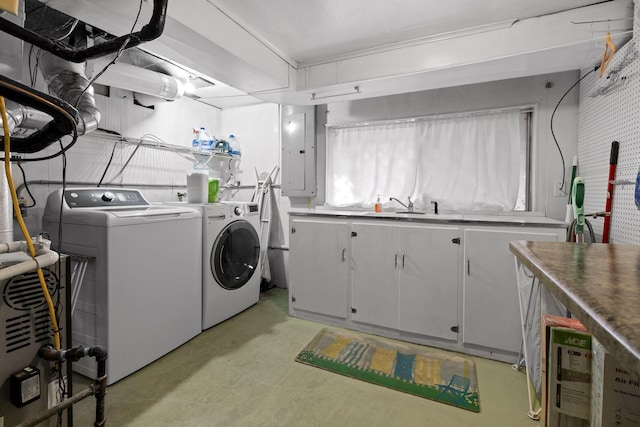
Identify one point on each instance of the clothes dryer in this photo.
(231, 259)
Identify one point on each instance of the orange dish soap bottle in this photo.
(378, 206)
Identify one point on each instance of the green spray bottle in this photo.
(577, 199)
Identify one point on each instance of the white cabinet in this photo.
(319, 267)
(406, 277)
(429, 281)
(375, 275)
(491, 308)
(451, 285)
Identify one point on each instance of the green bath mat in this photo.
(412, 369)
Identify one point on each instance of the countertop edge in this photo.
(468, 219)
(595, 323)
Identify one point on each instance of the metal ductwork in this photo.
(66, 80)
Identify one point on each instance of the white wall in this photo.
(532, 91)
(159, 173)
(257, 129)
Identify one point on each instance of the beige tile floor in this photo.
(242, 373)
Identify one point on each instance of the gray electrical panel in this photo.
(298, 151)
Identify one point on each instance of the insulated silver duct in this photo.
(66, 80)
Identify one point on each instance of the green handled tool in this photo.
(577, 199)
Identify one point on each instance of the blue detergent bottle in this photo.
(234, 146)
(195, 142)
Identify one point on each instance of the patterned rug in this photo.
(409, 368)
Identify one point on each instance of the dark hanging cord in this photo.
(61, 389)
(113, 150)
(113, 61)
(63, 150)
(553, 133)
(26, 187)
(33, 70)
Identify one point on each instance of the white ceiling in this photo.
(315, 51)
(308, 31)
(324, 40)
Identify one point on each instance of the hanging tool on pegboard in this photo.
(613, 163)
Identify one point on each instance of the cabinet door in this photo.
(319, 267)
(375, 269)
(491, 307)
(428, 300)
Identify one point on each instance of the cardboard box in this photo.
(615, 394)
(569, 378)
(549, 321)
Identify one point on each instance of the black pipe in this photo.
(98, 388)
(149, 32)
(65, 117)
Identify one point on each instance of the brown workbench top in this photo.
(598, 283)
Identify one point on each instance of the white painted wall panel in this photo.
(547, 167)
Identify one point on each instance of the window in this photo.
(465, 162)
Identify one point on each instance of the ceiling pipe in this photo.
(148, 32)
(139, 80)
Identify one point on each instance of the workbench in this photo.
(599, 284)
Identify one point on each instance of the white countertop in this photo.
(507, 218)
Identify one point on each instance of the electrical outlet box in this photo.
(558, 191)
(25, 386)
(52, 392)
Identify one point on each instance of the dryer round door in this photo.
(235, 255)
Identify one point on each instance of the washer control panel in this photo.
(245, 209)
(101, 197)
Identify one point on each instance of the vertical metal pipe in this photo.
(11, 66)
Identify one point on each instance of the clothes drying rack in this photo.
(263, 195)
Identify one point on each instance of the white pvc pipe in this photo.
(44, 258)
(11, 247)
(140, 80)
(6, 211)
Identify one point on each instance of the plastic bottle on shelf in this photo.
(205, 140)
(195, 143)
(378, 206)
(234, 146)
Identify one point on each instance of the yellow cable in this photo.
(23, 227)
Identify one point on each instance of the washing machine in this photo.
(141, 296)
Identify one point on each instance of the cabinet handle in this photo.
(403, 261)
(396, 261)
(344, 254)
(468, 268)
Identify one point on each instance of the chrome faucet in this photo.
(408, 206)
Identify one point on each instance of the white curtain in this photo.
(465, 163)
(365, 161)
